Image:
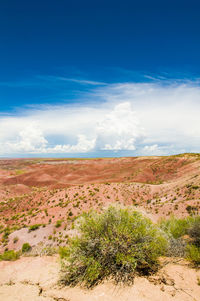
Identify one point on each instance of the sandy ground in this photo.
(35, 279)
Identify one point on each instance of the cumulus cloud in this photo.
(136, 118)
(156, 150)
(119, 129)
(151, 148)
(83, 145)
(100, 129)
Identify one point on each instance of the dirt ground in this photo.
(36, 279)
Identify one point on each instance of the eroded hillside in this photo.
(49, 193)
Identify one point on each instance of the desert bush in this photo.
(58, 224)
(10, 255)
(194, 231)
(175, 227)
(117, 244)
(26, 247)
(193, 250)
(176, 247)
(193, 254)
(15, 240)
(191, 209)
(34, 227)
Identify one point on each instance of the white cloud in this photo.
(156, 150)
(91, 129)
(83, 145)
(139, 118)
(119, 129)
(31, 140)
(150, 148)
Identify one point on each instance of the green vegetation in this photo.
(10, 255)
(58, 224)
(193, 254)
(178, 227)
(63, 252)
(193, 250)
(26, 247)
(19, 172)
(15, 240)
(194, 231)
(34, 227)
(175, 227)
(117, 243)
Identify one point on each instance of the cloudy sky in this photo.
(99, 80)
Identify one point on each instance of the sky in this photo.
(99, 78)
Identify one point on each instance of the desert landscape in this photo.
(50, 193)
(41, 199)
(99, 150)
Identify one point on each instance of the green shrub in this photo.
(175, 227)
(34, 227)
(117, 244)
(58, 223)
(15, 240)
(9, 255)
(26, 247)
(194, 231)
(191, 209)
(176, 247)
(193, 254)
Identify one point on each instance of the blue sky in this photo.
(99, 78)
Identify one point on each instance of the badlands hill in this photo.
(49, 193)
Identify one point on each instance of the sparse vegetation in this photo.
(38, 207)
